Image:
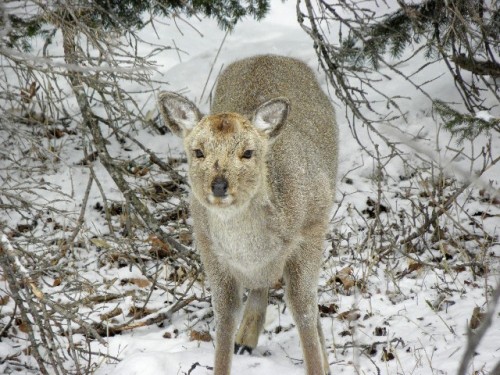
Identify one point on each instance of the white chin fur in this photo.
(222, 202)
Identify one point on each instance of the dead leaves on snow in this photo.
(354, 317)
(380, 331)
(344, 280)
(4, 300)
(163, 191)
(440, 303)
(326, 310)
(159, 249)
(477, 318)
(204, 336)
(139, 282)
(111, 314)
(349, 315)
(387, 355)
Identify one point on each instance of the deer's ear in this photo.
(271, 116)
(179, 113)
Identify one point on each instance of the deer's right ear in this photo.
(179, 113)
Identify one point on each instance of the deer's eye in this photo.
(198, 153)
(247, 154)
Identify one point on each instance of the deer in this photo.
(262, 172)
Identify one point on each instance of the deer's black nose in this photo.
(219, 187)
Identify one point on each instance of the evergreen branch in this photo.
(465, 125)
(489, 68)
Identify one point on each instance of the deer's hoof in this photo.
(241, 349)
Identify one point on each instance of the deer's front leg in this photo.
(301, 277)
(226, 300)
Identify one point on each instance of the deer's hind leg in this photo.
(252, 322)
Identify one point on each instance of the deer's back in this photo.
(302, 161)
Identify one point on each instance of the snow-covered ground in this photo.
(402, 320)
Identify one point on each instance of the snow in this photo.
(484, 115)
(423, 340)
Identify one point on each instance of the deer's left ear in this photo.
(271, 116)
(179, 113)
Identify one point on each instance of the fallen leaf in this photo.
(350, 315)
(414, 266)
(138, 170)
(141, 283)
(89, 158)
(200, 336)
(476, 318)
(140, 312)
(54, 133)
(179, 275)
(4, 300)
(372, 349)
(99, 242)
(332, 308)
(22, 325)
(346, 278)
(158, 247)
(387, 355)
(111, 314)
(185, 238)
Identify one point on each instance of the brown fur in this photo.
(271, 220)
(226, 123)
